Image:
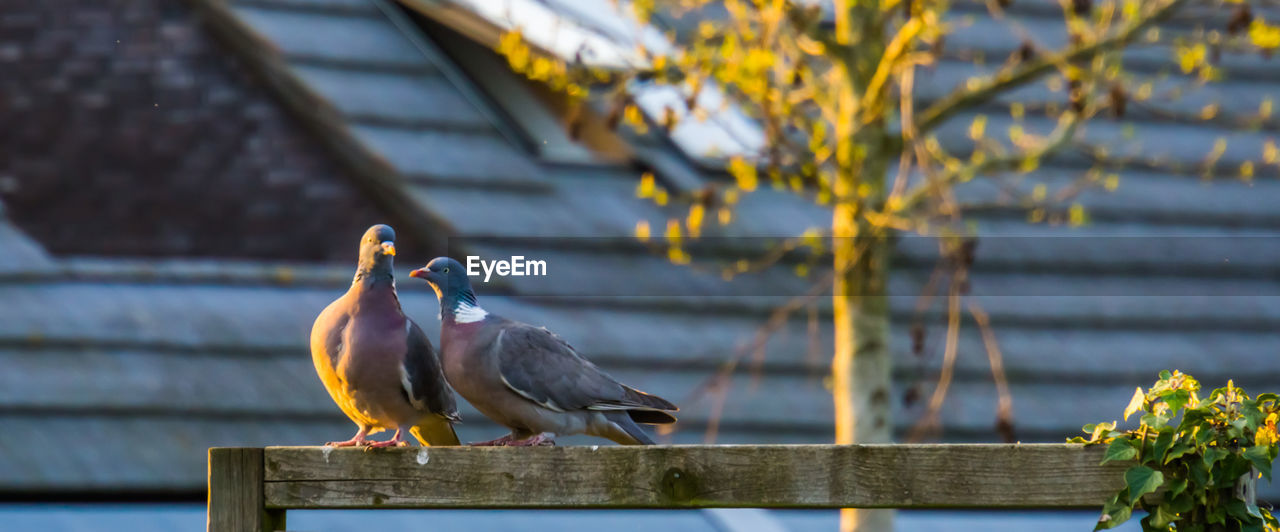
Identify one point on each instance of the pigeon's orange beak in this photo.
(419, 273)
(388, 249)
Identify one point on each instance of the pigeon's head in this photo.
(445, 275)
(378, 246)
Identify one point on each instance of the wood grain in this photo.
(236, 492)
(697, 476)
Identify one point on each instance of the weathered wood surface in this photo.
(698, 476)
(236, 492)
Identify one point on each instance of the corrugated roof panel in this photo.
(465, 156)
(372, 40)
(423, 100)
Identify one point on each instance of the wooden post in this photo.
(236, 501)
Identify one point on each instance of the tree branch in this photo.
(1061, 135)
(1031, 70)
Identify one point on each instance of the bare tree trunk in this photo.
(860, 367)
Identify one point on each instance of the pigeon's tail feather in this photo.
(434, 431)
(651, 417)
(650, 400)
(627, 431)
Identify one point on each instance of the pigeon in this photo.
(376, 363)
(528, 379)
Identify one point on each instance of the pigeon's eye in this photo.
(446, 270)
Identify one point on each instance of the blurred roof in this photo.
(145, 363)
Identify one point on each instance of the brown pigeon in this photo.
(527, 378)
(376, 362)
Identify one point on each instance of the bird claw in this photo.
(348, 443)
(385, 444)
(538, 440)
(496, 442)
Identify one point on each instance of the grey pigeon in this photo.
(376, 362)
(528, 379)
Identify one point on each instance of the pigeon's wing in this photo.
(422, 377)
(545, 369)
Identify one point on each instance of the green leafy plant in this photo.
(1195, 461)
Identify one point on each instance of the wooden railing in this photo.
(250, 489)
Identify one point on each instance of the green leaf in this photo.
(1077, 439)
(1165, 375)
(1177, 451)
(1216, 514)
(1261, 458)
(1181, 503)
(1177, 400)
(1163, 442)
(1099, 431)
(1198, 473)
(1253, 413)
(1155, 421)
(1121, 449)
(1213, 454)
(1193, 418)
(1235, 429)
(1142, 480)
(1163, 515)
(1135, 404)
(1251, 526)
(1236, 508)
(1176, 488)
(1116, 511)
(1205, 435)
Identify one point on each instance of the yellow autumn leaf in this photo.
(978, 128)
(725, 215)
(694, 220)
(673, 232)
(745, 173)
(1263, 35)
(678, 256)
(1077, 216)
(1135, 403)
(642, 230)
(1111, 182)
(645, 188)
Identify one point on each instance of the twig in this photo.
(1061, 135)
(930, 419)
(1032, 70)
(1004, 406)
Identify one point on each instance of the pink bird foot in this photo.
(395, 441)
(537, 440)
(357, 440)
(497, 442)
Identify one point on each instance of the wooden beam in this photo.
(236, 501)
(696, 476)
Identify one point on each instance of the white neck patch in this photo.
(467, 313)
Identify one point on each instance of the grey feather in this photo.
(427, 388)
(545, 369)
